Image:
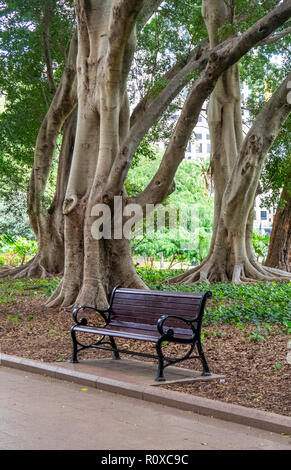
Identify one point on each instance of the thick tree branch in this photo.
(122, 23)
(47, 14)
(149, 8)
(275, 37)
(218, 62)
(221, 57)
(195, 60)
(63, 103)
(256, 144)
(147, 113)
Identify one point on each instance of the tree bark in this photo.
(279, 254)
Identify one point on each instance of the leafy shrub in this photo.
(16, 250)
(262, 302)
(261, 245)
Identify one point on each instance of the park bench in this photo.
(146, 315)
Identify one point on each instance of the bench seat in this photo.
(153, 316)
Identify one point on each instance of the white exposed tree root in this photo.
(241, 273)
(31, 269)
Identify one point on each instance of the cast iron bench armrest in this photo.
(170, 332)
(83, 321)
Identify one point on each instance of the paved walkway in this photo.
(38, 412)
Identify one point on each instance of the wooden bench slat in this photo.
(161, 304)
(146, 327)
(157, 299)
(150, 320)
(130, 333)
(151, 314)
(121, 332)
(159, 293)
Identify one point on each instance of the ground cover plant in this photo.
(245, 334)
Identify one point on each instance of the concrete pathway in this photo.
(38, 412)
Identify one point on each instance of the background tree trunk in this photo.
(48, 224)
(236, 166)
(279, 254)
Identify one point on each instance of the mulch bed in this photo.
(256, 372)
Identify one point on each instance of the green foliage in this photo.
(266, 306)
(190, 193)
(24, 82)
(266, 302)
(13, 216)
(16, 249)
(261, 245)
(12, 289)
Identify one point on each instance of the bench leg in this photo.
(114, 347)
(75, 350)
(160, 377)
(206, 370)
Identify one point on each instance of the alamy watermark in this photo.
(134, 221)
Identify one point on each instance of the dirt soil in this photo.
(256, 371)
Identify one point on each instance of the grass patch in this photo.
(12, 289)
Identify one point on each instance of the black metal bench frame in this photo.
(193, 327)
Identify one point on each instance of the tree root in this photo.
(244, 272)
(93, 293)
(63, 296)
(31, 269)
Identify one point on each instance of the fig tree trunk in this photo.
(236, 166)
(279, 254)
(106, 42)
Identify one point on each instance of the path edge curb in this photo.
(215, 409)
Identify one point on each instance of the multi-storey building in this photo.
(199, 147)
(263, 217)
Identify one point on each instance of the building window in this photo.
(200, 119)
(207, 136)
(199, 148)
(264, 215)
(208, 148)
(189, 147)
(198, 136)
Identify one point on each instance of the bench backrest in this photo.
(135, 306)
